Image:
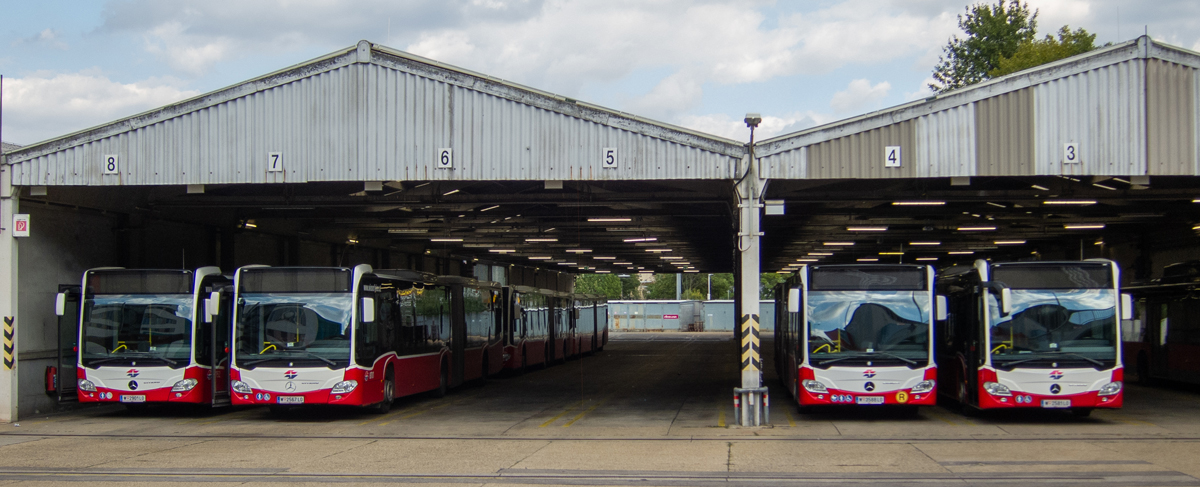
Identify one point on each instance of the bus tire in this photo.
(443, 382)
(389, 394)
(1081, 412)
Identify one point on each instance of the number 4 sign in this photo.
(20, 225)
(891, 156)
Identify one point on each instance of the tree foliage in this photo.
(993, 32)
(605, 284)
(1038, 52)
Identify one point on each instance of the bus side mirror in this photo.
(1126, 307)
(941, 309)
(1005, 302)
(794, 300)
(368, 310)
(212, 306)
(60, 304)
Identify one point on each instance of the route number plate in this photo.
(869, 399)
(290, 399)
(127, 398)
(1056, 403)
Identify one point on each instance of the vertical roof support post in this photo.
(8, 296)
(750, 189)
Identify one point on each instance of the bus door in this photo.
(458, 335)
(65, 375)
(220, 332)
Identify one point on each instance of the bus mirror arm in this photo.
(60, 304)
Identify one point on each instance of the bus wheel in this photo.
(443, 383)
(389, 394)
(1082, 412)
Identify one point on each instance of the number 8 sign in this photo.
(112, 164)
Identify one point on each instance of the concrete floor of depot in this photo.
(651, 409)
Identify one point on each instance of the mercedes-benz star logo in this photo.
(290, 386)
(1055, 389)
(870, 386)
(133, 385)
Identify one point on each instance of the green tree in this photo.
(1038, 52)
(663, 287)
(993, 32)
(767, 282)
(630, 287)
(605, 284)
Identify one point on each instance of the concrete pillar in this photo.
(8, 296)
(749, 190)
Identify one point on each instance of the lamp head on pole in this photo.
(753, 119)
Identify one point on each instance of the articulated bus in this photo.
(144, 337)
(1163, 341)
(857, 335)
(527, 337)
(1033, 335)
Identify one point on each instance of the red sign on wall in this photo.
(670, 317)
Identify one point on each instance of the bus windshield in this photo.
(280, 329)
(879, 326)
(120, 329)
(1047, 327)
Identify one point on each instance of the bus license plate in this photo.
(869, 399)
(1056, 403)
(291, 399)
(125, 398)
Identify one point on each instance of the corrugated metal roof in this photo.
(371, 113)
(1021, 124)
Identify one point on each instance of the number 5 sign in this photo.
(609, 159)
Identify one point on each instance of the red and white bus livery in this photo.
(339, 336)
(144, 337)
(1033, 335)
(858, 335)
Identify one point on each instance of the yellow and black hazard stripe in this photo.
(750, 352)
(9, 346)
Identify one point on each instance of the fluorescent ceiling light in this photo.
(448, 193)
(838, 244)
(445, 240)
(1083, 226)
(918, 203)
(658, 250)
(478, 245)
(501, 251)
(976, 229)
(541, 257)
(891, 253)
(541, 240)
(568, 263)
(490, 208)
(868, 259)
(579, 251)
(824, 254)
(622, 263)
(610, 219)
(961, 252)
(604, 258)
(1009, 242)
(998, 205)
(1043, 188)
(1069, 202)
(866, 229)
(927, 258)
(925, 243)
(603, 272)
(646, 239)
(1098, 185)
(691, 271)
(671, 257)
(352, 241)
(408, 230)
(806, 260)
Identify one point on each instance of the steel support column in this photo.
(749, 193)
(8, 296)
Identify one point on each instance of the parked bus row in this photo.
(288, 336)
(994, 335)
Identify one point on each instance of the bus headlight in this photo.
(923, 387)
(344, 387)
(814, 387)
(184, 385)
(996, 389)
(86, 385)
(1110, 388)
(241, 387)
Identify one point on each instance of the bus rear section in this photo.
(858, 335)
(144, 337)
(339, 336)
(528, 331)
(1033, 335)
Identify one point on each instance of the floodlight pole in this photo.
(751, 396)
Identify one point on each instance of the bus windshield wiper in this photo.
(307, 354)
(1050, 356)
(867, 355)
(133, 356)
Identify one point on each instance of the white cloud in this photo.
(41, 106)
(859, 95)
(922, 92)
(48, 38)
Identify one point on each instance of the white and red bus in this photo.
(144, 338)
(1163, 339)
(527, 330)
(858, 335)
(342, 336)
(1033, 335)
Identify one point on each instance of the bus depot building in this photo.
(374, 156)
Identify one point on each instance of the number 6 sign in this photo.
(445, 158)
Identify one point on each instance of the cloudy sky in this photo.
(69, 65)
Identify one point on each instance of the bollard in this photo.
(752, 403)
(766, 408)
(737, 407)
